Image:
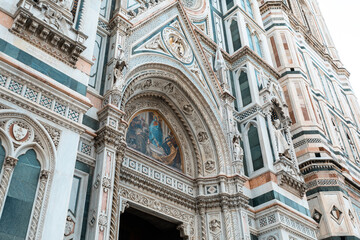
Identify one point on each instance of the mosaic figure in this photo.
(149, 134)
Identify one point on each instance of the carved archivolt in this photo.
(153, 103)
(188, 105)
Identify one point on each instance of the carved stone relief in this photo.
(178, 45)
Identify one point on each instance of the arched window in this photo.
(249, 9)
(20, 198)
(244, 89)
(251, 44)
(235, 35)
(257, 44)
(2, 155)
(255, 148)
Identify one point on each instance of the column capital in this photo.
(10, 162)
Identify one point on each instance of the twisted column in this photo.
(44, 175)
(203, 224)
(227, 216)
(115, 212)
(9, 166)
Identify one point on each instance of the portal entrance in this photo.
(138, 225)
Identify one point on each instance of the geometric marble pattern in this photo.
(85, 148)
(31, 94)
(2, 80)
(73, 115)
(46, 102)
(15, 87)
(158, 176)
(60, 108)
(297, 225)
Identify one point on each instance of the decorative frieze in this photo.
(40, 97)
(294, 224)
(159, 176)
(289, 176)
(49, 26)
(155, 205)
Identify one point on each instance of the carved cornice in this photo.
(110, 136)
(10, 162)
(223, 200)
(131, 177)
(119, 23)
(50, 27)
(306, 166)
(289, 176)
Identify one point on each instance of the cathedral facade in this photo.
(175, 119)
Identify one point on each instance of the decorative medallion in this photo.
(202, 137)
(69, 226)
(177, 45)
(336, 213)
(209, 166)
(20, 131)
(317, 216)
(188, 109)
(215, 225)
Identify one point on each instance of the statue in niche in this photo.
(221, 69)
(282, 146)
(238, 154)
(118, 69)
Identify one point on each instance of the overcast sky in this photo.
(343, 20)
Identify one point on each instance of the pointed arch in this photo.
(37, 145)
(6, 142)
(197, 118)
(21, 196)
(2, 155)
(40, 139)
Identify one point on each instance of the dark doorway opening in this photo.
(138, 225)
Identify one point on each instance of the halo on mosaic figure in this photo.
(150, 133)
(155, 100)
(209, 135)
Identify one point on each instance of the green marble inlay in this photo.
(90, 122)
(89, 170)
(326, 189)
(253, 237)
(42, 67)
(266, 197)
